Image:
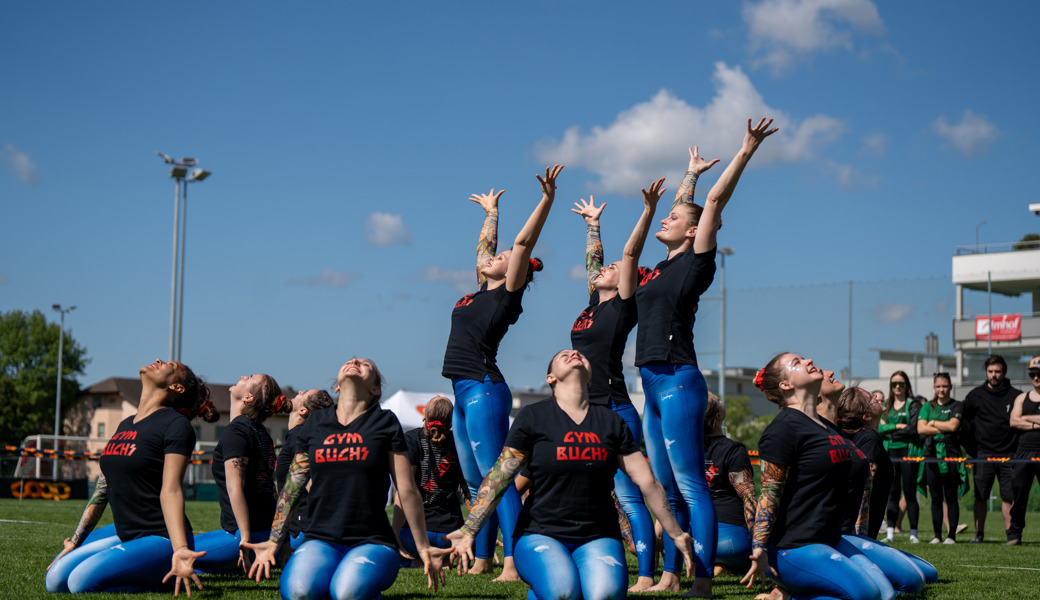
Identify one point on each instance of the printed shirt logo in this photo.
(117, 446)
(465, 300)
(652, 275)
(710, 472)
(443, 467)
(583, 445)
(584, 321)
(349, 447)
(843, 454)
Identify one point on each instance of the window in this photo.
(740, 388)
(101, 430)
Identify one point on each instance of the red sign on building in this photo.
(1003, 328)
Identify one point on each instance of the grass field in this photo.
(31, 532)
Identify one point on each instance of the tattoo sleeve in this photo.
(743, 483)
(491, 489)
(593, 254)
(92, 513)
(487, 245)
(774, 477)
(864, 507)
(295, 484)
(685, 193)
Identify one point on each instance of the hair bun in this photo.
(758, 379)
(536, 264)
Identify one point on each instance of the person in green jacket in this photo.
(899, 429)
(939, 423)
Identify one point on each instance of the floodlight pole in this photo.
(180, 283)
(722, 326)
(57, 397)
(176, 253)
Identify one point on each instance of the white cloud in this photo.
(386, 229)
(781, 31)
(849, 177)
(971, 137)
(577, 273)
(20, 164)
(327, 278)
(887, 312)
(463, 280)
(650, 139)
(875, 144)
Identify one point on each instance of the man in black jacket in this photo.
(987, 414)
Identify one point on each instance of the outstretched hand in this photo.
(489, 201)
(756, 134)
(461, 548)
(549, 182)
(697, 164)
(759, 566)
(265, 559)
(183, 570)
(433, 566)
(69, 547)
(656, 191)
(684, 543)
(589, 210)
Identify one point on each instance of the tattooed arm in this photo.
(697, 166)
(295, 484)
(491, 489)
(743, 483)
(91, 515)
(235, 480)
(863, 519)
(774, 478)
(487, 245)
(593, 247)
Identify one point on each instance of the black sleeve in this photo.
(776, 447)
(910, 433)
(737, 458)
(180, 438)
(411, 439)
(397, 443)
(520, 433)
(626, 442)
(235, 442)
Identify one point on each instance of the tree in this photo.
(29, 371)
(1030, 241)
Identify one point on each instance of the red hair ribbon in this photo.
(430, 424)
(534, 264)
(758, 379)
(184, 411)
(202, 409)
(278, 403)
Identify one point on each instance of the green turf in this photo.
(966, 571)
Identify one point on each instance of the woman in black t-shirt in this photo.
(727, 468)
(305, 402)
(805, 465)
(243, 469)
(349, 454)
(600, 333)
(568, 540)
(676, 393)
(435, 468)
(142, 468)
(478, 323)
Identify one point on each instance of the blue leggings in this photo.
(901, 572)
(105, 564)
(436, 539)
(319, 570)
(557, 571)
(734, 549)
(819, 572)
(673, 427)
(221, 550)
(631, 498)
(481, 422)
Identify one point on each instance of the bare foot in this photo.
(701, 588)
(775, 594)
(508, 571)
(669, 583)
(719, 570)
(481, 566)
(643, 584)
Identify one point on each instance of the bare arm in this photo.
(926, 428)
(516, 273)
(171, 497)
(1020, 421)
(629, 276)
(721, 192)
(948, 426)
(487, 245)
(593, 246)
(235, 470)
(743, 483)
(411, 503)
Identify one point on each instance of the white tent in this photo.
(408, 406)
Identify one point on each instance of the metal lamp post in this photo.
(724, 252)
(57, 398)
(179, 173)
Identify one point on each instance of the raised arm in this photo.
(491, 489)
(516, 274)
(171, 498)
(774, 478)
(628, 278)
(697, 166)
(411, 503)
(295, 485)
(91, 515)
(638, 470)
(593, 246)
(721, 192)
(487, 245)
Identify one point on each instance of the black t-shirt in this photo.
(1029, 441)
(478, 324)
(723, 456)
(600, 333)
(859, 474)
(818, 459)
(439, 477)
(244, 438)
(987, 412)
(872, 445)
(667, 299)
(132, 463)
(572, 470)
(281, 472)
(350, 475)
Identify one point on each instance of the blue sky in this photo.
(345, 138)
